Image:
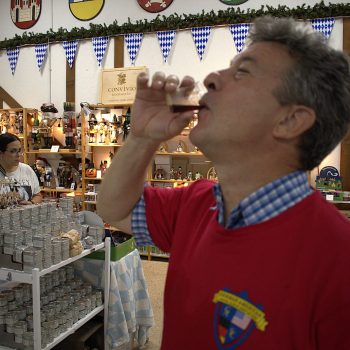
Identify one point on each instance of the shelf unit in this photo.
(170, 151)
(33, 278)
(28, 115)
(94, 146)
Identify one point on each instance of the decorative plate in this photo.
(154, 5)
(26, 13)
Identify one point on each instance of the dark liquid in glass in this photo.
(183, 108)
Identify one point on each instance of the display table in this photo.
(129, 308)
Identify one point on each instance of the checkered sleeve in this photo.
(139, 224)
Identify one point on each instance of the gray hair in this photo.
(319, 79)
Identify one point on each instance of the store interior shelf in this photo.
(61, 190)
(90, 202)
(93, 178)
(107, 105)
(49, 151)
(170, 181)
(339, 202)
(187, 154)
(104, 145)
(75, 326)
(27, 277)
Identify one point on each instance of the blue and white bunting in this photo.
(239, 33)
(40, 53)
(133, 43)
(70, 47)
(166, 40)
(100, 45)
(323, 25)
(12, 55)
(200, 37)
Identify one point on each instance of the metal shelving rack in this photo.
(34, 279)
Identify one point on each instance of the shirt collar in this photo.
(265, 203)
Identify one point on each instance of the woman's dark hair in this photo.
(5, 139)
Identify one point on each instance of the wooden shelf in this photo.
(93, 178)
(49, 152)
(90, 202)
(104, 145)
(60, 190)
(339, 202)
(171, 181)
(111, 106)
(28, 110)
(186, 154)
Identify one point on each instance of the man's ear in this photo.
(294, 122)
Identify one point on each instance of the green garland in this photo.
(175, 21)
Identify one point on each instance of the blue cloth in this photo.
(264, 204)
(129, 308)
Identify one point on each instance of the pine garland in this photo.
(175, 22)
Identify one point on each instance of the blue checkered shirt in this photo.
(263, 204)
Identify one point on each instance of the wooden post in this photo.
(119, 51)
(70, 83)
(345, 145)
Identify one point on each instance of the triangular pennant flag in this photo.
(40, 53)
(323, 25)
(12, 55)
(100, 45)
(166, 40)
(200, 37)
(70, 47)
(133, 43)
(239, 33)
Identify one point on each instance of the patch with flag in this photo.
(235, 319)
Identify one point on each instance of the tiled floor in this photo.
(155, 273)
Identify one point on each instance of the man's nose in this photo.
(212, 81)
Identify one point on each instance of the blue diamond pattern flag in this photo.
(239, 33)
(70, 47)
(40, 53)
(12, 55)
(166, 40)
(133, 43)
(100, 45)
(323, 25)
(200, 37)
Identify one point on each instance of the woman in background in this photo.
(23, 174)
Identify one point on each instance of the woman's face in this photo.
(11, 156)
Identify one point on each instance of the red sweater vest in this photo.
(283, 284)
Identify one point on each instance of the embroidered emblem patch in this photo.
(235, 318)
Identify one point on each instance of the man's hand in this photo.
(151, 117)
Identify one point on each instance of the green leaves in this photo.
(174, 21)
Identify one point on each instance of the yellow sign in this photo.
(118, 85)
(85, 10)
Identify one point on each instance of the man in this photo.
(260, 260)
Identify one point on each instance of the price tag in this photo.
(329, 197)
(54, 148)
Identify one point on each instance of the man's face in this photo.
(240, 110)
